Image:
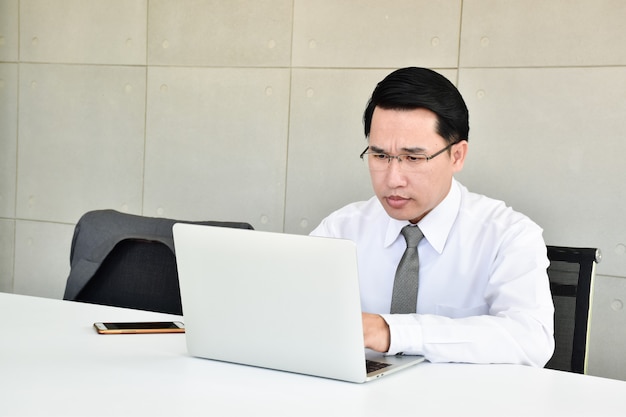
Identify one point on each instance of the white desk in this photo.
(52, 362)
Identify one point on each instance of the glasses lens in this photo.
(381, 162)
(377, 161)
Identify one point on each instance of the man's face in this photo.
(411, 195)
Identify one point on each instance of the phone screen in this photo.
(147, 325)
(140, 327)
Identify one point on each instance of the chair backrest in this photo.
(571, 273)
(126, 260)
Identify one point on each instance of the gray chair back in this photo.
(126, 260)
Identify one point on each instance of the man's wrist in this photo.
(375, 332)
(405, 334)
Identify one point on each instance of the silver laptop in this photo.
(273, 300)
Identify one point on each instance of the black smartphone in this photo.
(140, 327)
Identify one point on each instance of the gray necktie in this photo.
(404, 298)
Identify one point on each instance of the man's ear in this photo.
(458, 154)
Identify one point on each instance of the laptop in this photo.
(275, 300)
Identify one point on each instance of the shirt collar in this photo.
(436, 225)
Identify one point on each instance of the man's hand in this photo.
(375, 332)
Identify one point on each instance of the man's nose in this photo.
(395, 174)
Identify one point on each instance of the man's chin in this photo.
(399, 214)
(403, 214)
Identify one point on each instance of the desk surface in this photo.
(52, 362)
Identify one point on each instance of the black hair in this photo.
(413, 88)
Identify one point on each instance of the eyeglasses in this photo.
(378, 161)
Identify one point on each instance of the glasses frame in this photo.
(399, 157)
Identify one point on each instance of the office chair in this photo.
(571, 273)
(126, 260)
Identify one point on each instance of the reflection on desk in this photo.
(52, 362)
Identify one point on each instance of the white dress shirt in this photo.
(484, 294)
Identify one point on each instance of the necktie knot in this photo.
(412, 235)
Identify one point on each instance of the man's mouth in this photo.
(396, 201)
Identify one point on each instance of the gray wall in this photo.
(250, 110)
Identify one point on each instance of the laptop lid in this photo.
(273, 300)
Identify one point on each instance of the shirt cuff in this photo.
(405, 332)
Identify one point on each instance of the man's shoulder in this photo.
(350, 218)
(490, 210)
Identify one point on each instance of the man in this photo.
(482, 289)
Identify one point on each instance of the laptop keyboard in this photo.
(372, 366)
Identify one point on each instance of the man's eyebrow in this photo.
(415, 150)
(376, 149)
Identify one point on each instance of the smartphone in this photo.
(140, 327)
